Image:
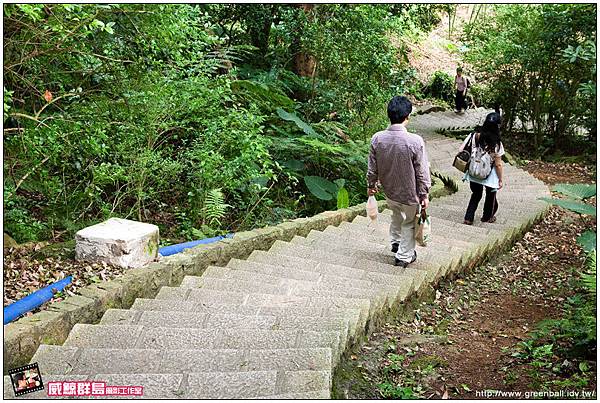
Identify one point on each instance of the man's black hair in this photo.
(398, 109)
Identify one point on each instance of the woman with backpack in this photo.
(485, 168)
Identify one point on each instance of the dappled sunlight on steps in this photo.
(276, 324)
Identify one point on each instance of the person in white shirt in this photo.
(461, 84)
(487, 137)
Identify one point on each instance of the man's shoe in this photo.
(394, 247)
(402, 263)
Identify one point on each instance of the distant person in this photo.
(398, 161)
(461, 83)
(487, 137)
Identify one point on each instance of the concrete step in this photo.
(232, 321)
(350, 230)
(206, 385)
(456, 214)
(317, 281)
(162, 338)
(293, 313)
(61, 360)
(503, 220)
(216, 297)
(440, 241)
(312, 395)
(234, 385)
(398, 286)
(273, 262)
(289, 252)
(377, 297)
(457, 229)
(428, 258)
(222, 321)
(316, 255)
(329, 284)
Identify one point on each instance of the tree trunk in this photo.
(304, 63)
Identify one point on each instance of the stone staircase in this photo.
(276, 324)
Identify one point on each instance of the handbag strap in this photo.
(470, 142)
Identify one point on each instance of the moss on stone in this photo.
(425, 361)
(151, 247)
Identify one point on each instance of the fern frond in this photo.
(214, 207)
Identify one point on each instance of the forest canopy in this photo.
(211, 118)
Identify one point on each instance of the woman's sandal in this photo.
(468, 222)
(491, 220)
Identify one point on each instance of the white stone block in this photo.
(120, 242)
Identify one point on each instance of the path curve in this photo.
(276, 325)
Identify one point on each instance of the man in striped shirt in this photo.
(398, 161)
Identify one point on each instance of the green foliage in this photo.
(441, 86)
(321, 187)
(587, 241)
(539, 62)
(576, 331)
(343, 199)
(578, 191)
(291, 117)
(146, 111)
(482, 95)
(7, 102)
(358, 68)
(214, 207)
(391, 391)
(265, 95)
(572, 205)
(589, 278)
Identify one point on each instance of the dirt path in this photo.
(439, 51)
(465, 341)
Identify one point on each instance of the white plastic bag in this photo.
(422, 228)
(372, 208)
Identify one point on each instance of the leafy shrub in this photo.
(144, 111)
(481, 95)
(576, 331)
(441, 86)
(541, 67)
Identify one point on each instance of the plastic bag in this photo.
(422, 228)
(372, 208)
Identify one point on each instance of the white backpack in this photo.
(480, 164)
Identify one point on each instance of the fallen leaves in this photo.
(26, 271)
(486, 313)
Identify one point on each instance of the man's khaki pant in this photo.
(402, 229)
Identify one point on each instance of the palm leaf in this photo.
(579, 191)
(572, 205)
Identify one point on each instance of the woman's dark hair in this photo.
(398, 109)
(489, 132)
